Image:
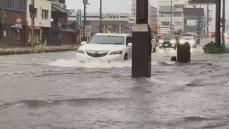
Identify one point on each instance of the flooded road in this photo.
(58, 91)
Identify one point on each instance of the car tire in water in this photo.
(154, 49)
(126, 57)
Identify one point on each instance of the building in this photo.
(13, 22)
(111, 22)
(61, 33)
(152, 13)
(42, 21)
(194, 21)
(171, 16)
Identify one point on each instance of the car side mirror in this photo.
(129, 44)
(83, 43)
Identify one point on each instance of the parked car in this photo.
(167, 42)
(154, 45)
(188, 39)
(107, 46)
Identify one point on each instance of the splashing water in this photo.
(81, 62)
(90, 63)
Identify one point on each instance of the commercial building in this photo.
(171, 16)
(13, 22)
(194, 21)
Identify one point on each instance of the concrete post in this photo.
(141, 55)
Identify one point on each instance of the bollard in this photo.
(183, 53)
(141, 55)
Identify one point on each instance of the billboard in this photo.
(191, 22)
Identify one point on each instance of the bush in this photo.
(213, 48)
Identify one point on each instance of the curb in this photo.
(37, 50)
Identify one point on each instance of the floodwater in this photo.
(60, 91)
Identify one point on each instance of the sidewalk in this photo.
(37, 49)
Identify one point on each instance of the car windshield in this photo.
(106, 39)
(166, 38)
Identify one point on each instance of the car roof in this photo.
(113, 34)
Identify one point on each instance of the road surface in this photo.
(57, 91)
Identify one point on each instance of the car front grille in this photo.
(96, 54)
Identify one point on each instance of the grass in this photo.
(213, 48)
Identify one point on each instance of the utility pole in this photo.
(218, 23)
(32, 14)
(223, 24)
(2, 10)
(207, 19)
(171, 18)
(84, 22)
(100, 17)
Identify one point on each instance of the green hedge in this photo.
(213, 48)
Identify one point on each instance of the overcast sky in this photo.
(120, 6)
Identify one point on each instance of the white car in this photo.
(188, 39)
(107, 46)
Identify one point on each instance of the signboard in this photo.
(88, 31)
(191, 22)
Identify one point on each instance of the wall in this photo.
(39, 21)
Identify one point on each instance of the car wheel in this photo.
(126, 57)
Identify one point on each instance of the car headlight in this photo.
(172, 41)
(182, 41)
(191, 42)
(80, 51)
(161, 41)
(116, 52)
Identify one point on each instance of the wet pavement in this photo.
(57, 91)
